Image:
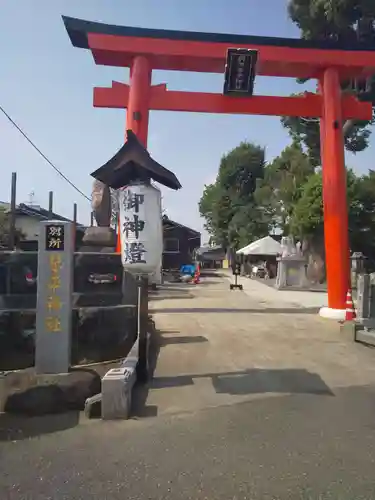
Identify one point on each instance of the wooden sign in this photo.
(240, 71)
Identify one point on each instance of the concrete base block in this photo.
(366, 337)
(117, 385)
(348, 330)
(329, 313)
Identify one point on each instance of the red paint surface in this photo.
(309, 105)
(334, 193)
(138, 98)
(209, 57)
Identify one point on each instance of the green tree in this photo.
(307, 221)
(247, 224)
(330, 20)
(282, 185)
(307, 217)
(207, 204)
(228, 205)
(362, 214)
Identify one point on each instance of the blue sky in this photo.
(46, 86)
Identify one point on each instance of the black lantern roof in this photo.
(133, 162)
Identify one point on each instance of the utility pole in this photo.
(12, 219)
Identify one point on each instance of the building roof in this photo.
(41, 213)
(78, 29)
(263, 246)
(211, 253)
(171, 224)
(209, 248)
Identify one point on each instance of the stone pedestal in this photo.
(291, 272)
(99, 239)
(156, 278)
(129, 288)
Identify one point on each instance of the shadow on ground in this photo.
(205, 281)
(168, 291)
(244, 382)
(198, 339)
(218, 310)
(254, 381)
(17, 427)
(164, 296)
(140, 393)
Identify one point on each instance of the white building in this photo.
(28, 218)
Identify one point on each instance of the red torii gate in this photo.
(143, 50)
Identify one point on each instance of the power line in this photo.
(43, 155)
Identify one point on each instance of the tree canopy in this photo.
(250, 199)
(228, 205)
(282, 185)
(336, 20)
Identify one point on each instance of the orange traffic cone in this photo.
(350, 313)
(196, 278)
(118, 242)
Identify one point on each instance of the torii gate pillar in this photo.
(139, 96)
(334, 196)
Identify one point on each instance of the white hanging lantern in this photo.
(141, 228)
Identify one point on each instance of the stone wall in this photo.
(104, 318)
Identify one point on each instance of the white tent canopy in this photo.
(264, 246)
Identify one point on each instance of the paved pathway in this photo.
(294, 298)
(252, 399)
(221, 347)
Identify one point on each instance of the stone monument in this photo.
(100, 238)
(292, 266)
